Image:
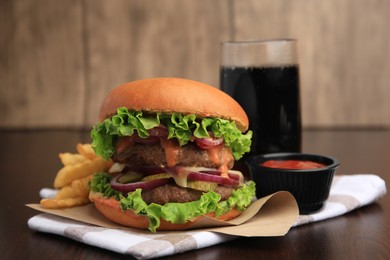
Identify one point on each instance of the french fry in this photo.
(73, 178)
(69, 173)
(80, 186)
(70, 158)
(72, 195)
(86, 150)
(63, 203)
(66, 192)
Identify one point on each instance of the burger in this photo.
(173, 143)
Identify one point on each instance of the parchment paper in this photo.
(269, 216)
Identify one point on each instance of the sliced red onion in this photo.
(144, 185)
(160, 131)
(198, 176)
(209, 176)
(208, 143)
(231, 175)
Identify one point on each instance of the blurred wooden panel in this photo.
(344, 54)
(58, 59)
(42, 64)
(129, 40)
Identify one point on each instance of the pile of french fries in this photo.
(73, 178)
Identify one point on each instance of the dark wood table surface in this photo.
(29, 161)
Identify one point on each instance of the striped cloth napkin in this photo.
(348, 192)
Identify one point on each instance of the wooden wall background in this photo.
(58, 59)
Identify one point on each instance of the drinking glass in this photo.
(263, 77)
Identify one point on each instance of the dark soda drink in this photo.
(270, 97)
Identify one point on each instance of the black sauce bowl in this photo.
(310, 187)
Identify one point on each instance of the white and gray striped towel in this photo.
(348, 192)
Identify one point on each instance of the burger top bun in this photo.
(168, 95)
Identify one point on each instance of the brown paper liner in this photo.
(272, 215)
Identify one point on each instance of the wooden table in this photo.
(29, 161)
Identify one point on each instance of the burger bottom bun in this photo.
(110, 208)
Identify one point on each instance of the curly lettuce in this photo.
(177, 213)
(180, 127)
(101, 183)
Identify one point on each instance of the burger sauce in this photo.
(218, 155)
(171, 150)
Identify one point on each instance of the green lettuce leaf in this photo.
(175, 212)
(180, 127)
(183, 212)
(101, 183)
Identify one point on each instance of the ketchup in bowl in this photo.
(292, 164)
(306, 176)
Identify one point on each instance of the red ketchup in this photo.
(292, 164)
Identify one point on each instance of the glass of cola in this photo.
(263, 76)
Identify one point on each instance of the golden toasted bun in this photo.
(168, 95)
(110, 208)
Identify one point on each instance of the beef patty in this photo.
(173, 193)
(187, 155)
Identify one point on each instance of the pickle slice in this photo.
(130, 177)
(201, 185)
(156, 176)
